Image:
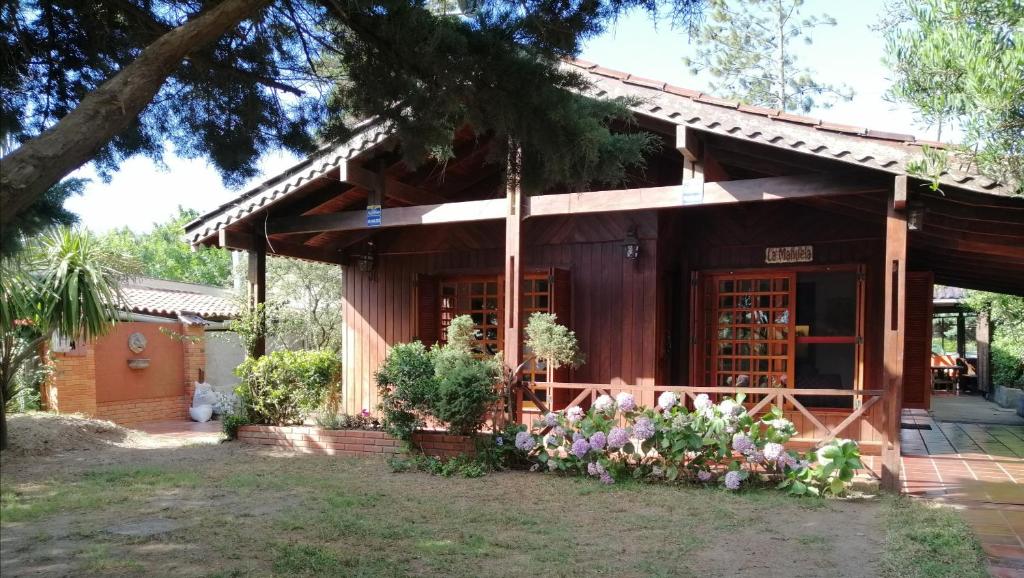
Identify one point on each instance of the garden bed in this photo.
(352, 442)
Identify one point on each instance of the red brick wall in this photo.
(72, 386)
(308, 439)
(133, 412)
(117, 382)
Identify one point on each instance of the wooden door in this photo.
(917, 341)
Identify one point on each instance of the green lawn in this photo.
(233, 511)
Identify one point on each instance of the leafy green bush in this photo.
(445, 383)
(231, 422)
(465, 391)
(464, 466)
(282, 387)
(333, 420)
(1008, 363)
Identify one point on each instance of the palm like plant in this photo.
(66, 282)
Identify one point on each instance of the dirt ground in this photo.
(126, 507)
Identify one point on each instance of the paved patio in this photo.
(183, 431)
(977, 468)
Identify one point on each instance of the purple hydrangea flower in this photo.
(574, 414)
(742, 444)
(626, 401)
(732, 480)
(617, 438)
(551, 419)
(577, 436)
(604, 404)
(499, 441)
(580, 447)
(756, 456)
(786, 461)
(643, 428)
(595, 469)
(525, 441)
(702, 402)
(705, 476)
(667, 400)
(773, 451)
(598, 440)
(607, 478)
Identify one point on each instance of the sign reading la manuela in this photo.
(796, 254)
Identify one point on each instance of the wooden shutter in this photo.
(428, 309)
(917, 341)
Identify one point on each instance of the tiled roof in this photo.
(871, 148)
(944, 293)
(875, 149)
(171, 299)
(368, 134)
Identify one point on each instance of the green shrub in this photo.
(1007, 364)
(282, 387)
(231, 422)
(445, 383)
(406, 383)
(465, 391)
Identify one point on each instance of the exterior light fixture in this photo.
(915, 216)
(631, 245)
(367, 260)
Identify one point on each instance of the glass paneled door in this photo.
(749, 328)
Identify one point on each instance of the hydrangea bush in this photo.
(714, 443)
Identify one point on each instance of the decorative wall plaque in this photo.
(797, 254)
(137, 342)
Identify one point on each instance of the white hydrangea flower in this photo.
(702, 402)
(604, 404)
(667, 400)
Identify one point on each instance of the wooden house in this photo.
(758, 251)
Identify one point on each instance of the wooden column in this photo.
(984, 338)
(895, 305)
(961, 335)
(257, 277)
(513, 260)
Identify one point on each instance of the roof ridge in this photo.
(770, 113)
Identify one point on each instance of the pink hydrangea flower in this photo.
(574, 414)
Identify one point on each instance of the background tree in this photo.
(61, 284)
(309, 298)
(1006, 314)
(960, 64)
(164, 254)
(228, 80)
(748, 47)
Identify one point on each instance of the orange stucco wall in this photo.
(164, 377)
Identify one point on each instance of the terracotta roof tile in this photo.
(879, 134)
(641, 81)
(616, 74)
(841, 128)
(759, 110)
(798, 119)
(678, 90)
(164, 302)
(708, 99)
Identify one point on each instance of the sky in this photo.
(141, 193)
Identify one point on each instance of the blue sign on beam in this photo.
(373, 215)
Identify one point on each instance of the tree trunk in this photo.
(40, 163)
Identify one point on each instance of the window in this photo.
(536, 292)
(783, 329)
(480, 298)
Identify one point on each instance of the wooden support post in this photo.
(983, 334)
(513, 261)
(961, 335)
(895, 304)
(257, 277)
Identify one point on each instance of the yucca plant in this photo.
(64, 282)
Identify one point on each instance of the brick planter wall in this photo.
(310, 439)
(136, 411)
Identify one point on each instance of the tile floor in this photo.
(977, 468)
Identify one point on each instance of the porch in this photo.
(736, 261)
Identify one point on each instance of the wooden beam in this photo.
(240, 241)
(513, 259)
(893, 335)
(899, 196)
(687, 143)
(465, 211)
(391, 187)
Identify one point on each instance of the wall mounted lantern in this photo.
(367, 261)
(631, 245)
(915, 216)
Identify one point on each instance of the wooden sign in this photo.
(797, 254)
